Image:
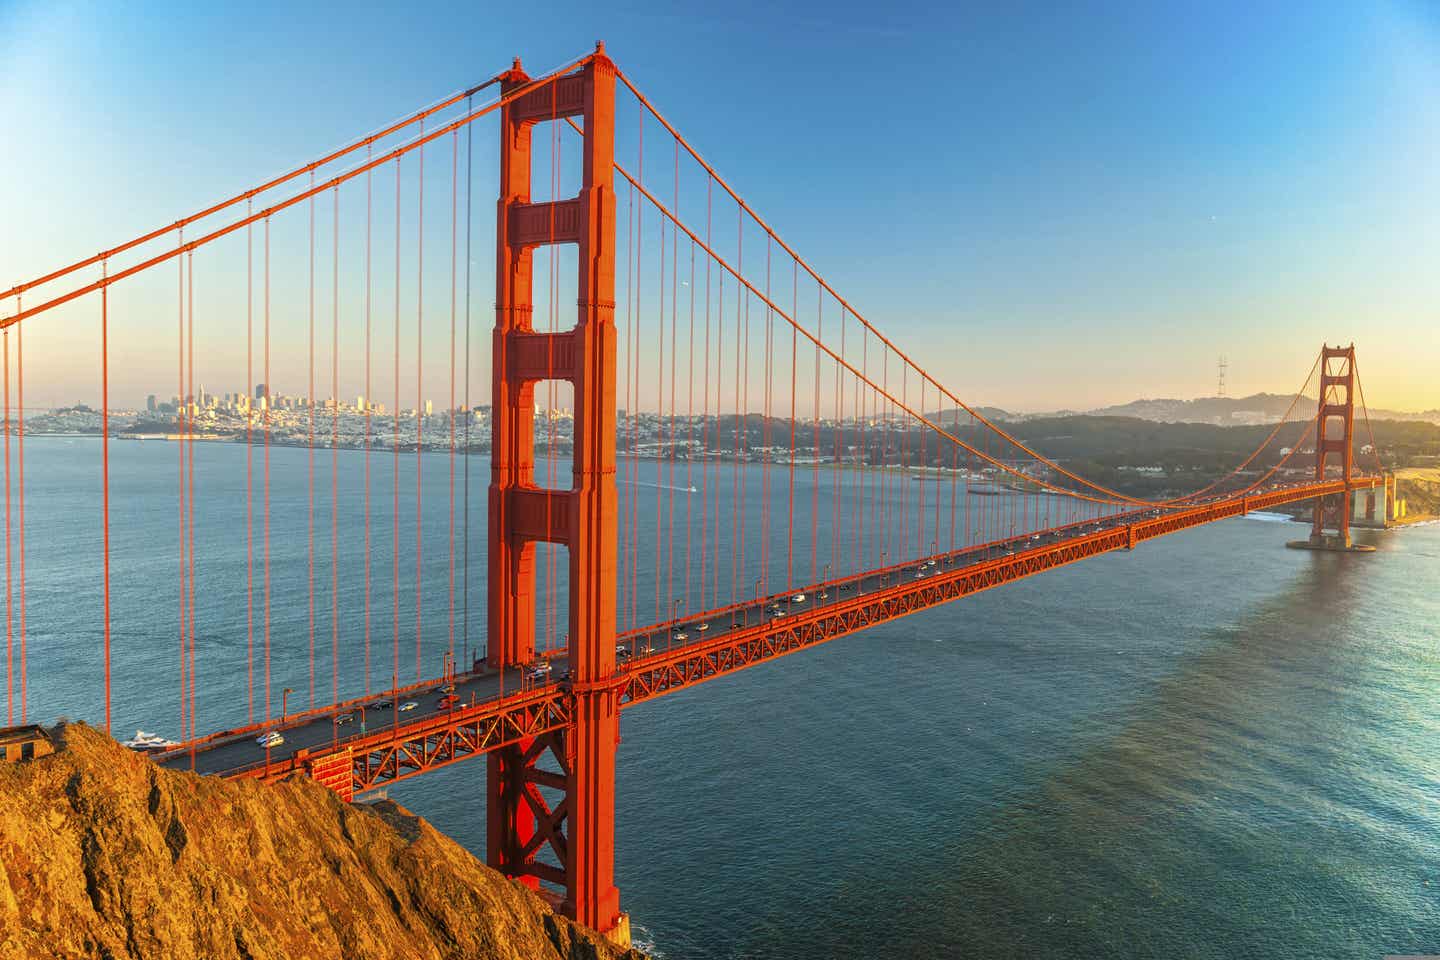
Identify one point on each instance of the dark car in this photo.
(382, 705)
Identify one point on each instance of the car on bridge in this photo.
(344, 718)
(270, 739)
(407, 706)
(449, 700)
(382, 705)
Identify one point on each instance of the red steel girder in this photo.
(391, 754)
(664, 672)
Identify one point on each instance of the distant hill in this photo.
(1224, 411)
(1259, 408)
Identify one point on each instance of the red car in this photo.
(449, 700)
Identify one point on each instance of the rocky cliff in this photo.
(103, 854)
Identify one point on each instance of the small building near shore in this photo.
(24, 743)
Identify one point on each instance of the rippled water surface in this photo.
(1210, 747)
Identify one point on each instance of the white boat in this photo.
(147, 742)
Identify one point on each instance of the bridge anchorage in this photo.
(794, 517)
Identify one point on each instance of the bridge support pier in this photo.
(579, 764)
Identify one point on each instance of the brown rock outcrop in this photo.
(103, 854)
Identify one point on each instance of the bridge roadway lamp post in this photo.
(580, 829)
(284, 702)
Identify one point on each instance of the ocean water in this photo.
(1209, 747)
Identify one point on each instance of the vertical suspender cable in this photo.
(706, 440)
(690, 435)
(674, 352)
(104, 459)
(9, 622)
(190, 479)
(766, 408)
(454, 252)
(249, 468)
(790, 506)
(182, 409)
(310, 459)
(20, 491)
(369, 404)
(625, 509)
(335, 453)
(265, 429)
(419, 383)
(838, 434)
(660, 566)
(395, 448)
(469, 414)
(815, 457)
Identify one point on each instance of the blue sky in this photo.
(1059, 204)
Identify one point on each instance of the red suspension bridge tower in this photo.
(579, 829)
(1334, 432)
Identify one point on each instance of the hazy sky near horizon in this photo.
(1058, 205)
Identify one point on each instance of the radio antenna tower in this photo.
(1220, 386)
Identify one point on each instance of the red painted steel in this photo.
(1336, 409)
(582, 518)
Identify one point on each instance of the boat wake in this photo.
(662, 486)
(1264, 517)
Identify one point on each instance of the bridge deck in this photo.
(382, 745)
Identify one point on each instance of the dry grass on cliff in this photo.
(103, 854)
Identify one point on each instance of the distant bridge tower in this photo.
(1334, 441)
(579, 830)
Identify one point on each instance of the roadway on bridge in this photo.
(332, 727)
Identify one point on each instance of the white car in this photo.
(680, 635)
(271, 739)
(408, 705)
(798, 598)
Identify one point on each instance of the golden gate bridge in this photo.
(694, 317)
